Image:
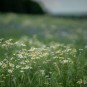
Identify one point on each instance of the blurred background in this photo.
(53, 7)
(61, 20)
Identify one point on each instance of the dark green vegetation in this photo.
(20, 6)
(42, 51)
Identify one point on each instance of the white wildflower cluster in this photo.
(7, 44)
(34, 57)
(82, 81)
(20, 44)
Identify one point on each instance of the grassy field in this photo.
(42, 51)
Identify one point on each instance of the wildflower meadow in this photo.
(44, 59)
(30, 63)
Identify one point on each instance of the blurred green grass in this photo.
(45, 31)
(46, 28)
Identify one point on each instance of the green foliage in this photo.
(44, 51)
(31, 63)
(20, 6)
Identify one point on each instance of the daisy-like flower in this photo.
(11, 65)
(10, 70)
(4, 65)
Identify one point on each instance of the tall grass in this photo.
(28, 62)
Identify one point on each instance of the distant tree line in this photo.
(20, 6)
